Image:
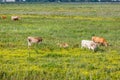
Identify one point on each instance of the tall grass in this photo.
(60, 22)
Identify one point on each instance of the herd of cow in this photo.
(90, 44)
(14, 18)
(94, 43)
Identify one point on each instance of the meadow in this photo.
(59, 22)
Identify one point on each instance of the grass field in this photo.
(59, 22)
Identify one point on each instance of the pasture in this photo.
(59, 22)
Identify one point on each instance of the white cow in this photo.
(32, 40)
(89, 44)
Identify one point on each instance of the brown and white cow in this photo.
(15, 18)
(100, 40)
(32, 40)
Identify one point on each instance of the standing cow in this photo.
(100, 40)
(32, 40)
(89, 44)
(15, 18)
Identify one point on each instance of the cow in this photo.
(89, 44)
(63, 45)
(15, 18)
(3, 17)
(100, 40)
(32, 40)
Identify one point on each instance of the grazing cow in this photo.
(32, 40)
(64, 45)
(3, 17)
(100, 40)
(89, 44)
(15, 18)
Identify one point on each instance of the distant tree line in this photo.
(72, 0)
(60, 0)
(69, 0)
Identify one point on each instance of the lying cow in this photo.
(63, 45)
(89, 44)
(100, 40)
(32, 40)
(3, 17)
(15, 18)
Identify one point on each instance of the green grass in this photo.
(59, 22)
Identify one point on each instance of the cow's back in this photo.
(99, 40)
